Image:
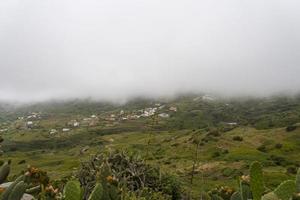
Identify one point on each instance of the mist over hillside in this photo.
(118, 50)
(149, 100)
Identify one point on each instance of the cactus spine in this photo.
(256, 180)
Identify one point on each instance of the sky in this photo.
(116, 49)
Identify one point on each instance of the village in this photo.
(54, 126)
(33, 120)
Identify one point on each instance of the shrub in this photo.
(238, 138)
(201, 144)
(291, 170)
(129, 170)
(216, 154)
(146, 193)
(225, 151)
(214, 133)
(262, 148)
(290, 128)
(228, 171)
(278, 160)
(221, 192)
(227, 128)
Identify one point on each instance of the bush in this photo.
(221, 192)
(238, 138)
(278, 160)
(201, 144)
(146, 193)
(228, 171)
(262, 148)
(290, 128)
(278, 146)
(171, 186)
(291, 170)
(216, 154)
(129, 169)
(225, 151)
(214, 133)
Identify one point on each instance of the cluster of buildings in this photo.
(109, 119)
(29, 121)
(148, 112)
(3, 130)
(206, 98)
(74, 123)
(114, 118)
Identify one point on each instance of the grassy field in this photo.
(193, 141)
(220, 158)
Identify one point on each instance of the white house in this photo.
(3, 130)
(66, 130)
(164, 115)
(232, 123)
(76, 124)
(173, 108)
(52, 131)
(208, 98)
(161, 107)
(29, 124)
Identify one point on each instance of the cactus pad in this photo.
(18, 191)
(72, 191)
(285, 190)
(97, 193)
(256, 180)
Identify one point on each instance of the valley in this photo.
(204, 142)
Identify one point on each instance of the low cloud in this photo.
(115, 50)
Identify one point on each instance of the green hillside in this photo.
(203, 142)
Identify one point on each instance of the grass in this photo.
(173, 151)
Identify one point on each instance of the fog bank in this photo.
(115, 50)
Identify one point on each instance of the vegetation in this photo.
(197, 152)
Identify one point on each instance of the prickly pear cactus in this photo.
(245, 191)
(72, 191)
(298, 182)
(216, 197)
(8, 191)
(256, 180)
(113, 192)
(270, 196)
(18, 191)
(4, 171)
(285, 190)
(97, 193)
(236, 196)
(33, 190)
